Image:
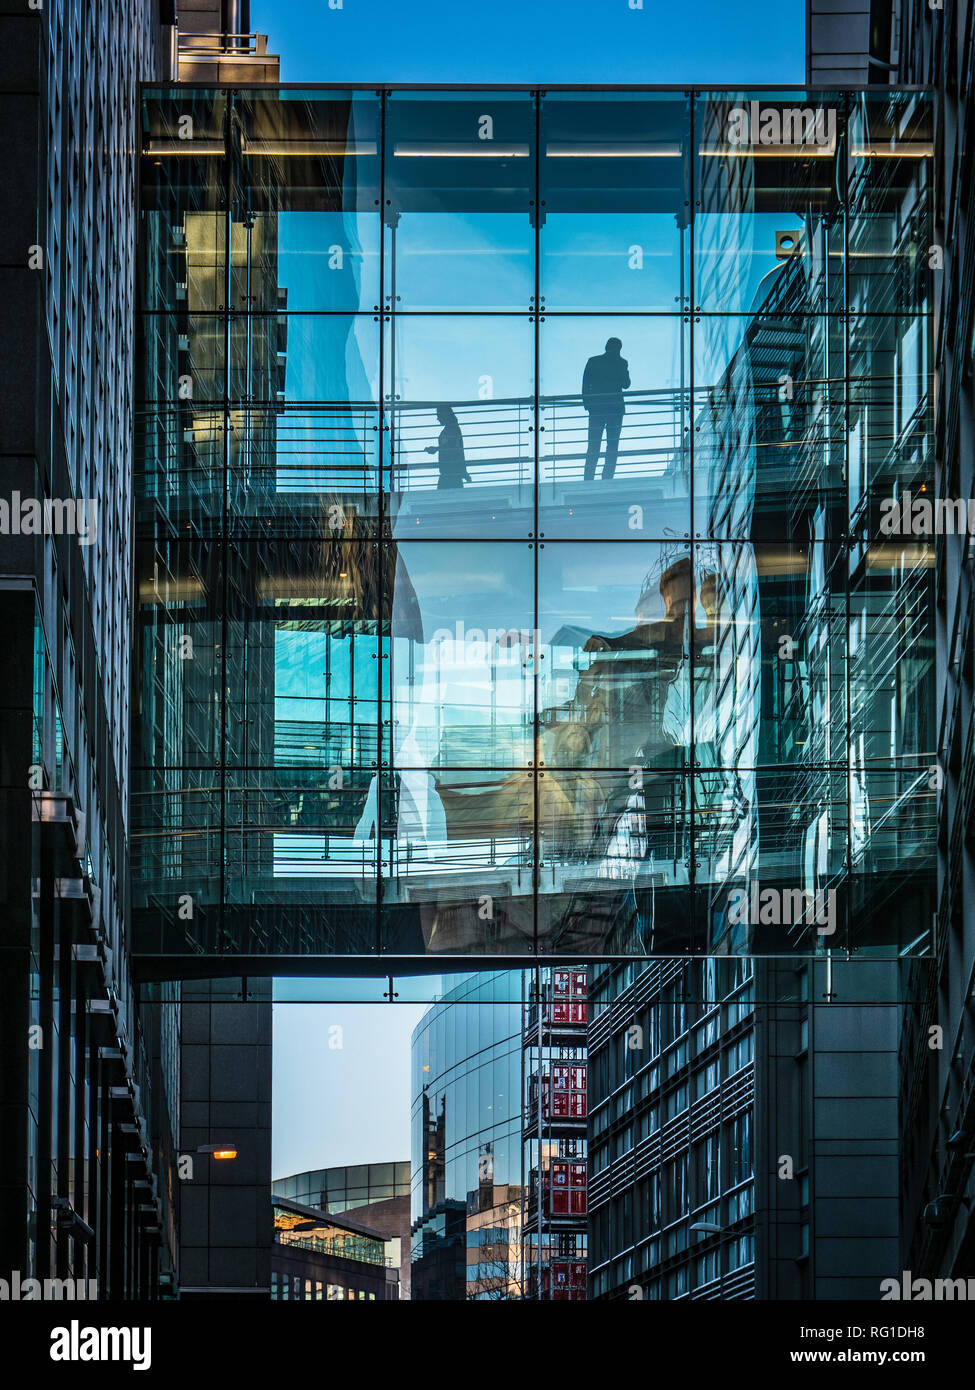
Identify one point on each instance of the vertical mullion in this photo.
(692, 681)
(536, 742)
(225, 509)
(379, 547)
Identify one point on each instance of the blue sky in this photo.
(587, 41)
(319, 1118)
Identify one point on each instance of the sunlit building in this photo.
(318, 1256)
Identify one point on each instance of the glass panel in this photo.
(462, 411)
(615, 225)
(892, 655)
(893, 852)
(771, 848)
(614, 457)
(766, 191)
(891, 160)
(614, 862)
(183, 357)
(460, 190)
(326, 358)
(302, 655)
(182, 265)
(769, 443)
(307, 232)
(178, 635)
(296, 858)
(614, 621)
(176, 841)
(891, 394)
(179, 469)
(770, 655)
(457, 862)
(462, 655)
(295, 470)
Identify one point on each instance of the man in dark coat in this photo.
(603, 382)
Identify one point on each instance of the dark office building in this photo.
(744, 1129)
(909, 42)
(78, 1193)
(103, 1088)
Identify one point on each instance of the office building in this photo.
(78, 1194)
(910, 42)
(467, 1118)
(320, 1256)
(374, 1194)
(512, 580)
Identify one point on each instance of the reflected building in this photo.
(376, 1195)
(467, 1141)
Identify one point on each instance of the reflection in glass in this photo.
(460, 186)
(495, 594)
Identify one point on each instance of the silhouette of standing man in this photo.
(450, 451)
(603, 382)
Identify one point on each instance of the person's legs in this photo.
(614, 423)
(596, 423)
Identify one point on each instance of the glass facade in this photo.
(467, 1089)
(509, 569)
(343, 1189)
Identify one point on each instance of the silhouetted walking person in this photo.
(603, 382)
(450, 448)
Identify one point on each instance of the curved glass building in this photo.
(467, 1141)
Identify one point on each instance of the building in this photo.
(555, 1176)
(374, 1194)
(318, 1255)
(102, 1091)
(389, 771)
(527, 605)
(80, 1194)
(467, 1118)
(913, 43)
(744, 1132)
